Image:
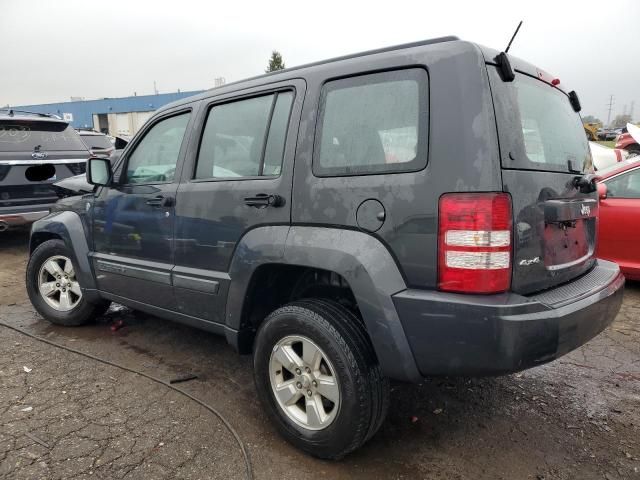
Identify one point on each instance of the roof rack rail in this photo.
(13, 111)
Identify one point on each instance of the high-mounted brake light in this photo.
(474, 242)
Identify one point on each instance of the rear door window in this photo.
(22, 135)
(538, 128)
(373, 123)
(245, 138)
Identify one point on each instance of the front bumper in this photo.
(15, 217)
(454, 334)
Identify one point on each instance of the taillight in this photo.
(474, 242)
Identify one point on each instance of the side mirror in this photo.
(99, 171)
(602, 191)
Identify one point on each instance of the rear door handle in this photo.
(161, 201)
(263, 200)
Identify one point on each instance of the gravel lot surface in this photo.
(71, 417)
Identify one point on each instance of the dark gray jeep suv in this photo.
(35, 151)
(425, 209)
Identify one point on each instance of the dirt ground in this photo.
(71, 417)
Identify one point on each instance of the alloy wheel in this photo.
(304, 382)
(57, 284)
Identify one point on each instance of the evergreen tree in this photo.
(275, 62)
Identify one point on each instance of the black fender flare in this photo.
(68, 227)
(361, 259)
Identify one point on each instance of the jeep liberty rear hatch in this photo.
(543, 149)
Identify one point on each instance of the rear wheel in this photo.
(318, 378)
(54, 289)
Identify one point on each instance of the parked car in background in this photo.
(78, 184)
(606, 134)
(35, 151)
(630, 141)
(604, 156)
(99, 144)
(618, 230)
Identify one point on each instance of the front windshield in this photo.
(96, 142)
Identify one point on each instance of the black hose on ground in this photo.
(245, 453)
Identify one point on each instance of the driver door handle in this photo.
(263, 200)
(161, 201)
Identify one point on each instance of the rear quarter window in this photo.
(28, 135)
(375, 123)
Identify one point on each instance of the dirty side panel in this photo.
(461, 148)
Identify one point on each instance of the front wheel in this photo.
(318, 378)
(54, 289)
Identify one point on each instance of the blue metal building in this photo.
(84, 113)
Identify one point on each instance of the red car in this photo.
(619, 216)
(626, 142)
(630, 139)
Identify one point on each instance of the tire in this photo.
(77, 311)
(342, 339)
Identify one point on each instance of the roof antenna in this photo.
(514, 36)
(502, 60)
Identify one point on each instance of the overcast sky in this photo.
(52, 50)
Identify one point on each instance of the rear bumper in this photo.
(15, 217)
(453, 334)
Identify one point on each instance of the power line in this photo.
(610, 105)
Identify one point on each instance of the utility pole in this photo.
(155, 89)
(631, 109)
(610, 105)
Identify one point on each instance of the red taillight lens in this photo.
(474, 242)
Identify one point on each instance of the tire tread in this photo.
(371, 387)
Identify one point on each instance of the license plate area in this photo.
(567, 243)
(41, 173)
(569, 232)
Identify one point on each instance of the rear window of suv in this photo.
(28, 135)
(539, 130)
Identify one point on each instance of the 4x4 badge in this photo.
(585, 209)
(526, 262)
